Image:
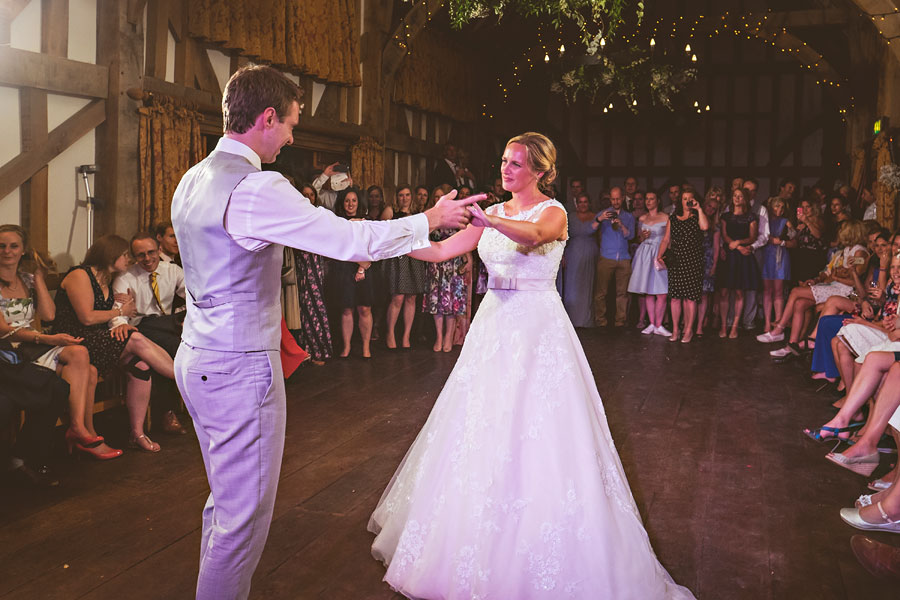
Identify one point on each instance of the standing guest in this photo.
(614, 262)
(23, 298)
(168, 243)
(446, 293)
(334, 178)
(712, 244)
(737, 182)
(314, 334)
(809, 246)
(867, 201)
(445, 170)
(420, 201)
(154, 285)
(649, 276)
(232, 220)
(684, 235)
(672, 199)
(629, 187)
(351, 284)
(838, 213)
(404, 276)
(640, 205)
(739, 272)
(375, 202)
(464, 176)
(580, 258)
(776, 261)
(757, 209)
(496, 194)
(85, 303)
(576, 188)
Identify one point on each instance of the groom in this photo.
(231, 220)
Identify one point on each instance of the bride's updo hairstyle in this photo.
(541, 156)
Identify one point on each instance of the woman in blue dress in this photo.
(580, 261)
(776, 261)
(649, 277)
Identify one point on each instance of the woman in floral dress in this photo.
(314, 334)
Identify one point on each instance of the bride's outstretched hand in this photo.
(479, 219)
(449, 213)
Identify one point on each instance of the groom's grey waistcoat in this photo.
(234, 295)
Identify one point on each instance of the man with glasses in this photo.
(154, 284)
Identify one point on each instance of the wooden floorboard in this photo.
(737, 504)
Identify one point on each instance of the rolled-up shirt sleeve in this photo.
(266, 209)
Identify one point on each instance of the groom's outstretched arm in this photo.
(266, 209)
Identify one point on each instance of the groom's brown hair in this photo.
(253, 89)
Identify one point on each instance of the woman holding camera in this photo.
(684, 236)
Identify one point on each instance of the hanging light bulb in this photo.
(603, 42)
(610, 105)
(693, 58)
(687, 47)
(634, 102)
(696, 104)
(707, 107)
(652, 42)
(546, 58)
(606, 110)
(562, 48)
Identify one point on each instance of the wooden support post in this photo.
(120, 47)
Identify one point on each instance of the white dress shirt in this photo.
(327, 198)
(266, 209)
(762, 235)
(169, 280)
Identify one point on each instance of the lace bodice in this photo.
(505, 258)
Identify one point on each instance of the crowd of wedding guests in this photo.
(118, 312)
(813, 269)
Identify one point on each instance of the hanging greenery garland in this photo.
(595, 19)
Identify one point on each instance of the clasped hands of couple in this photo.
(450, 213)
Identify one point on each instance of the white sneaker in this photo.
(651, 328)
(662, 331)
(769, 337)
(781, 352)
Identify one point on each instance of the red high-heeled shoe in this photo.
(73, 440)
(99, 454)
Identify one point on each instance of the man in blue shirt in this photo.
(616, 228)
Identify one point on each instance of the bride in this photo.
(513, 490)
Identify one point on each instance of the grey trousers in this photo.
(237, 402)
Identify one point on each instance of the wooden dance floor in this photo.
(737, 504)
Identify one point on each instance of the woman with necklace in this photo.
(84, 306)
(649, 277)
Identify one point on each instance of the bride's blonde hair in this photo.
(541, 156)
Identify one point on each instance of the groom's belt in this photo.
(523, 285)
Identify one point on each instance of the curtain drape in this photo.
(367, 163)
(435, 75)
(169, 143)
(313, 37)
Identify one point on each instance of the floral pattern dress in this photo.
(447, 291)
(314, 335)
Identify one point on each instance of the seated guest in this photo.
(835, 280)
(154, 284)
(24, 297)
(350, 285)
(85, 303)
(41, 394)
(168, 244)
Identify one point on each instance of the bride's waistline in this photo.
(521, 284)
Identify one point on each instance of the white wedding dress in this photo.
(513, 490)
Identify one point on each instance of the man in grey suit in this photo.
(232, 220)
